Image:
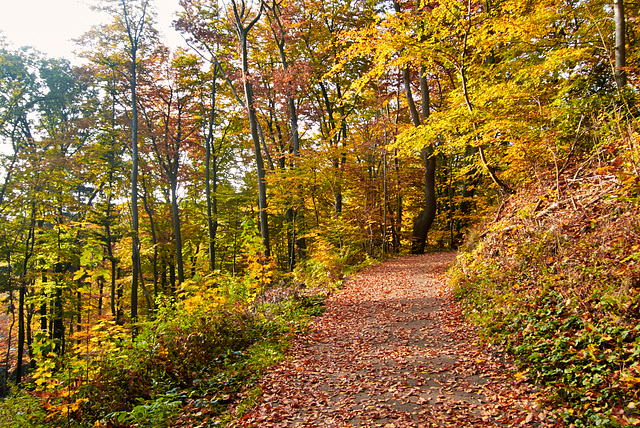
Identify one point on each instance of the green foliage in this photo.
(563, 300)
(156, 413)
(23, 409)
(183, 366)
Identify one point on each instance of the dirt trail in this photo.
(393, 350)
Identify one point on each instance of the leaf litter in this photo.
(393, 350)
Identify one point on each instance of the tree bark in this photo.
(291, 213)
(134, 31)
(242, 31)
(154, 236)
(22, 292)
(620, 75)
(423, 222)
(177, 233)
(210, 185)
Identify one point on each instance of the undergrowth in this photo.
(183, 368)
(192, 363)
(554, 278)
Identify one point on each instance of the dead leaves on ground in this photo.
(393, 350)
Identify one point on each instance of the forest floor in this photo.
(393, 349)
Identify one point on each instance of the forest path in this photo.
(393, 350)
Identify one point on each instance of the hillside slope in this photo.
(553, 276)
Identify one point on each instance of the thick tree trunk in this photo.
(423, 222)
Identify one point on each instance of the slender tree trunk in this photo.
(504, 187)
(21, 330)
(111, 156)
(134, 28)
(44, 321)
(22, 292)
(5, 374)
(154, 236)
(214, 208)
(385, 246)
(172, 275)
(100, 298)
(620, 74)
(135, 240)
(398, 219)
(79, 311)
(29, 333)
(163, 273)
(210, 187)
(291, 212)
(242, 32)
(57, 312)
(175, 211)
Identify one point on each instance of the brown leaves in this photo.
(392, 350)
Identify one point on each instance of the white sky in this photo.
(49, 25)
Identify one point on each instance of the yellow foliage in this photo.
(200, 295)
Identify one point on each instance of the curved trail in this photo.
(393, 350)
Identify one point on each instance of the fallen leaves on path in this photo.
(393, 350)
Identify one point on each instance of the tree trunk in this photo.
(134, 28)
(209, 186)
(291, 213)
(135, 241)
(21, 330)
(620, 75)
(28, 252)
(57, 312)
(154, 236)
(177, 233)
(242, 32)
(397, 236)
(423, 222)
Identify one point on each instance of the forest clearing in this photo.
(253, 228)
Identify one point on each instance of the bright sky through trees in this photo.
(51, 25)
